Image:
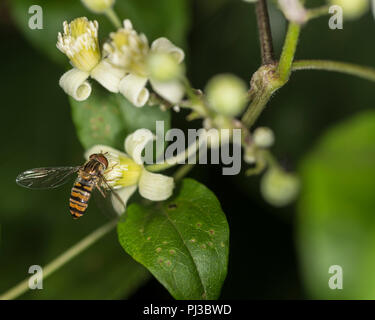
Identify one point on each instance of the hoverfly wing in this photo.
(108, 199)
(46, 178)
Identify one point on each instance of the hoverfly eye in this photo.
(103, 160)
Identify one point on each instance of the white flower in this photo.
(130, 50)
(126, 172)
(80, 44)
(163, 67)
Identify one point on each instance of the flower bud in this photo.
(250, 156)
(263, 137)
(98, 6)
(226, 94)
(163, 67)
(279, 188)
(353, 9)
(293, 10)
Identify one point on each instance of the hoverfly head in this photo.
(100, 157)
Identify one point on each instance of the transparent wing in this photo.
(108, 200)
(45, 178)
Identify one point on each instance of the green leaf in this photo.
(183, 241)
(98, 120)
(107, 118)
(144, 117)
(336, 211)
(167, 18)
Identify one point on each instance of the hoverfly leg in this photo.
(100, 189)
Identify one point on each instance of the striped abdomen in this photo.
(80, 196)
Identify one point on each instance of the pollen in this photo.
(128, 49)
(122, 171)
(79, 42)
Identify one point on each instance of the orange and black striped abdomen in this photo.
(79, 197)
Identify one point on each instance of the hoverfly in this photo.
(90, 177)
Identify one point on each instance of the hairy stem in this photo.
(336, 66)
(265, 35)
(68, 255)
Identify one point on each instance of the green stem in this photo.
(343, 67)
(183, 171)
(189, 90)
(68, 255)
(160, 166)
(289, 50)
(178, 159)
(256, 107)
(196, 103)
(317, 12)
(270, 84)
(113, 17)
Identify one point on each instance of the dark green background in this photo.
(221, 36)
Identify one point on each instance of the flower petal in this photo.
(155, 186)
(163, 45)
(108, 75)
(136, 143)
(173, 91)
(122, 171)
(74, 84)
(124, 194)
(133, 88)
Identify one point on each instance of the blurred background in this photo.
(325, 130)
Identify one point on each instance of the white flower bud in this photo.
(279, 188)
(98, 6)
(293, 10)
(226, 94)
(163, 67)
(353, 9)
(263, 137)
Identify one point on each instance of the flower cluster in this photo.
(79, 42)
(125, 64)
